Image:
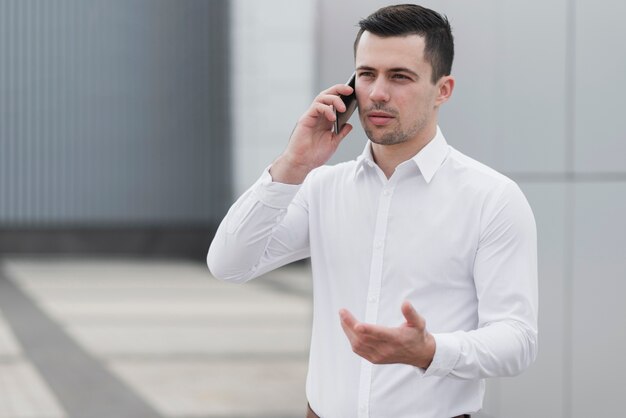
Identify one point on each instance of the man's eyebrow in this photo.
(403, 70)
(391, 70)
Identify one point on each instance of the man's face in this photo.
(397, 100)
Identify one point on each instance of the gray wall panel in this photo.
(600, 77)
(508, 107)
(599, 286)
(113, 112)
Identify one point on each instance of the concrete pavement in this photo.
(159, 338)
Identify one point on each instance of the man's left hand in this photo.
(410, 343)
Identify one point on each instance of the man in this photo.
(410, 226)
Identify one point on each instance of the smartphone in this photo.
(341, 118)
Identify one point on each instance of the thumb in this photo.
(413, 319)
(345, 130)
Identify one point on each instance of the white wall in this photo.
(272, 80)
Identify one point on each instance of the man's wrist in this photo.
(285, 171)
(428, 353)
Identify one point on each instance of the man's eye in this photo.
(366, 74)
(400, 76)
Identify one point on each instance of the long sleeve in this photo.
(505, 276)
(267, 227)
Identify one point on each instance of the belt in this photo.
(311, 414)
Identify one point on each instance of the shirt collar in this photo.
(428, 160)
(432, 156)
(365, 159)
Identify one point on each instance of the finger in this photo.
(412, 317)
(347, 318)
(348, 331)
(344, 132)
(332, 100)
(347, 324)
(324, 110)
(342, 89)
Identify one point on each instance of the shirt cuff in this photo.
(273, 194)
(447, 353)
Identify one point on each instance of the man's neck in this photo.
(388, 157)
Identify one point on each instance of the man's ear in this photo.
(445, 86)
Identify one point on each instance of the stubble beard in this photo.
(397, 135)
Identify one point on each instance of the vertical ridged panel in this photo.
(107, 111)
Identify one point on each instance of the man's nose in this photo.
(379, 91)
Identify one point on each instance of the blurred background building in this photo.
(114, 125)
(128, 127)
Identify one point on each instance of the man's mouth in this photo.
(379, 118)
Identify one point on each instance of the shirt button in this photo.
(372, 299)
(378, 245)
(387, 192)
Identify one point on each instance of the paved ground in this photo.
(105, 338)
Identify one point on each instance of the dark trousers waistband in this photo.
(311, 414)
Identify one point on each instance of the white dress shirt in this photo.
(452, 236)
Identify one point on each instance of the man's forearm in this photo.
(242, 246)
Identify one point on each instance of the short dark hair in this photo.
(411, 19)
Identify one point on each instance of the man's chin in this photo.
(387, 141)
(384, 138)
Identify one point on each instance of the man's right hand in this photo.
(312, 142)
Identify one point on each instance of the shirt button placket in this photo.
(373, 293)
